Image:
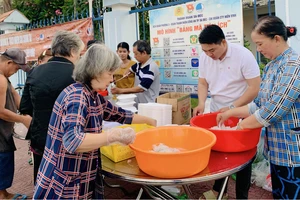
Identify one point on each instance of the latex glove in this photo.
(122, 135)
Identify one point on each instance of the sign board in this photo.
(34, 41)
(174, 33)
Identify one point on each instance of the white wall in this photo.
(288, 11)
(119, 25)
(10, 27)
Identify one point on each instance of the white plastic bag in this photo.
(268, 183)
(20, 131)
(260, 171)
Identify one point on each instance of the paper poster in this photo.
(174, 33)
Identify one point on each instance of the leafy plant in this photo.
(36, 10)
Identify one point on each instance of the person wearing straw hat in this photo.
(11, 61)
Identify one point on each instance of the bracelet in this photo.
(239, 127)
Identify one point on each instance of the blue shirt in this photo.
(279, 109)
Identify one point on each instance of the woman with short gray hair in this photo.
(69, 166)
(43, 85)
(103, 60)
(67, 44)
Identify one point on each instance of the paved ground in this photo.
(23, 181)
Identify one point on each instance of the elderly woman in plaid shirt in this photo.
(69, 166)
(277, 106)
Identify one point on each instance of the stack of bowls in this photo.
(161, 112)
(126, 101)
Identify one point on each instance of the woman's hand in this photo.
(116, 90)
(123, 135)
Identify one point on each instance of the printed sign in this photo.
(174, 33)
(34, 41)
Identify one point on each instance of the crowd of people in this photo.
(64, 112)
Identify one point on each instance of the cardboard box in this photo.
(181, 106)
(117, 152)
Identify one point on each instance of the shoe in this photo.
(19, 197)
(30, 161)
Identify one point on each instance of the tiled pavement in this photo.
(23, 181)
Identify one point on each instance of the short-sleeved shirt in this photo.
(226, 78)
(63, 172)
(147, 78)
(127, 82)
(278, 101)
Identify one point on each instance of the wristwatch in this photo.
(231, 106)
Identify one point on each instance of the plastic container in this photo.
(117, 152)
(161, 112)
(125, 104)
(196, 142)
(126, 97)
(228, 140)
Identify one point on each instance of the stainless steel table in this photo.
(220, 165)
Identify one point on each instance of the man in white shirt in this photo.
(231, 74)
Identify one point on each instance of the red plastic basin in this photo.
(228, 140)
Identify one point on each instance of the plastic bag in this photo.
(260, 171)
(268, 183)
(20, 131)
(260, 148)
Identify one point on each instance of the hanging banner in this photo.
(174, 33)
(34, 41)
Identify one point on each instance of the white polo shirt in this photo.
(226, 78)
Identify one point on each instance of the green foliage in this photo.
(36, 10)
(194, 102)
(261, 67)
(264, 60)
(246, 43)
(144, 26)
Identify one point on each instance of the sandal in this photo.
(30, 161)
(211, 195)
(19, 197)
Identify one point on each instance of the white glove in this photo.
(122, 135)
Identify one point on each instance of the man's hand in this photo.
(198, 110)
(223, 109)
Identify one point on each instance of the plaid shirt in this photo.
(279, 109)
(63, 172)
